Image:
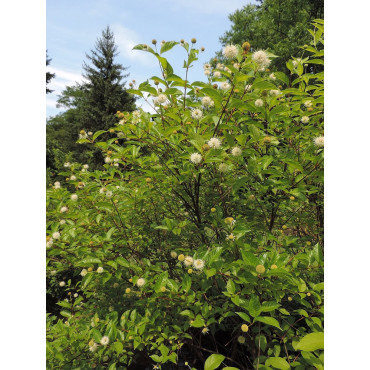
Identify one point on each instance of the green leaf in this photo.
(168, 46)
(268, 320)
(263, 85)
(311, 342)
(254, 307)
(118, 347)
(269, 306)
(230, 286)
(98, 133)
(278, 363)
(230, 368)
(213, 362)
(89, 261)
(244, 316)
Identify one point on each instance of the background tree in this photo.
(279, 26)
(105, 93)
(49, 75)
(90, 106)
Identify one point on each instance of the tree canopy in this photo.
(279, 26)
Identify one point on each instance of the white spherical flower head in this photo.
(85, 166)
(207, 66)
(107, 160)
(62, 222)
(94, 347)
(319, 141)
(67, 164)
(295, 63)
(217, 74)
(236, 65)
(173, 254)
(49, 243)
(230, 51)
(120, 135)
(102, 190)
(83, 272)
(207, 101)
(225, 86)
(214, 143)
(136, 114)
(53, 273)
(236, 151)
(196, 158)
(207, 72)
(73, 178)
(223, 167)
(64, 209)
(197, 114)
(140, 282)
(258, 103)
(57, 185)
(188, 261)
(109, 194)
(261, 58)
(161, 98)
(104, 341)
(74, 196)
(272, 77)
(274, 92)
(305, 119)
(308, 104)
(62, 283)
(56, 235)
(198, 264)
(248, 87)
(99, 270)
(220, 66)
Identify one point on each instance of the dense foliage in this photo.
(90, 106)
(277, 25)
(200, 243)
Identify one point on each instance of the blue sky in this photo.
(72, 27)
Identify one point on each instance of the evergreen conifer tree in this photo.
(105, 92)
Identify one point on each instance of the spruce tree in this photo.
(105, 92)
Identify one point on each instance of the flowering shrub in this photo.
(201, 243)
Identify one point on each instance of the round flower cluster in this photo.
(223, 167)
(274, 92)
(217, 74)
(64, 209)
(140, 282)
(108, 160)
(197, 114)
(67, 164)
(173, 254)
(305, 119)
(83, 272)
(109, 194)
(236, 151)
(258, 103)
(99, 270)
(214, 143)
(198, 264)
(225, 86)
(319, 141)
(57, 185)
(73, 178)
(196, 158)
(262, 60)
(56, 235)
(272, 77)
(308, 104)
(161, 98)
(188, 261)
(207, 69)
(74, 196)
(104, 341)
(230, 51)
(207, 101)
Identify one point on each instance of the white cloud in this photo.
(126, 39)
